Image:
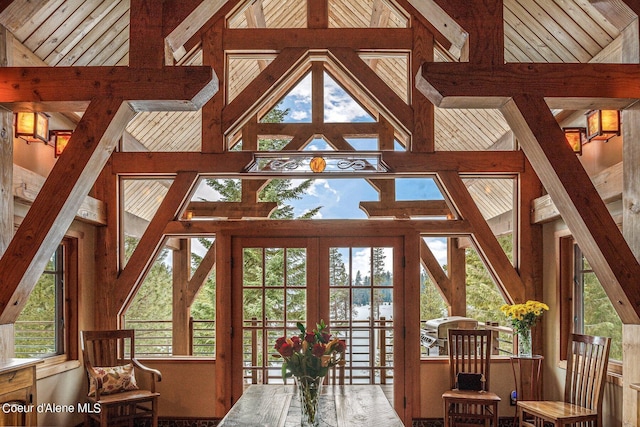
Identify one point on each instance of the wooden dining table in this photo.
(340, 406)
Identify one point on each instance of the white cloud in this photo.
(320, 187)
(299, 115)
(439, 248)
(339, 106)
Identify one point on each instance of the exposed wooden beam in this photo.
(213, 140)
(270, 39)
(406, 209)
(231, 210)
(317, 13)
(169, 88)
(423, 135)
(164, 163)
(279, 228)
(478, 162)
(567, 86)
(487, 245)
(361, 129)
(55, 206)
(400, 163)
(146, 41)
(583, 210)
(484, 23)
(181, 310)
(172, 205)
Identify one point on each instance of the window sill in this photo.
(55, 365)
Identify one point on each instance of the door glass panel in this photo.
(274, 298)
(361, 311)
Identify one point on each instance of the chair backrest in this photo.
(108, 348)
(469, 351)
(587, 363)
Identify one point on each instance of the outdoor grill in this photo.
(435, 333)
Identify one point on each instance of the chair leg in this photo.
(446, 414)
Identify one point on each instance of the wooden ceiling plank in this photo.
(406, 208)
(579, 203)
(569, 32)
(131, 276)
(377, 87)
(270, 39)
(46, 88)
(245, 102)
(580, 86)
(55, 206)
(435, 272)
(97, 38)
(543, 28)
(487, 246)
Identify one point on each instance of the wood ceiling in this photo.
(96, 33)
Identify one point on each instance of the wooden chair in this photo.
(470, 352)
(109, 358)
(584, 385)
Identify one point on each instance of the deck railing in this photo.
(154, 337)
(34, 338)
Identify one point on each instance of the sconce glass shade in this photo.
(32, 127)
(603, 125)
(60, 140)
(576, 136)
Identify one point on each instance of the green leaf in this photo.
(301, 327)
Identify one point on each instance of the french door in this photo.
(350, 283)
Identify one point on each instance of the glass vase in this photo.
(524, 343)
(309, 389)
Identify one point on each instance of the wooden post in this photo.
(6, 188)
(631, 229)
(181, 305)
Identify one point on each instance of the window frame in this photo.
(567, 265)
(66, 310)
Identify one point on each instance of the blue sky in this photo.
(340, 197)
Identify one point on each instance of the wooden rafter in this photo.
(583, 210)
(55, 206)
(172, 88)
(201, 274)
(566, 86)
(269, 39)
(400, 163)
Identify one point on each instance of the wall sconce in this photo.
(60, 140)
(602, 125)
(32, 127)
(576, 136)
